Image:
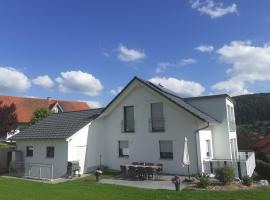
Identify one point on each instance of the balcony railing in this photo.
(157, 124)
(128, 126)
(244, 165)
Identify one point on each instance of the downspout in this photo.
(196, 132)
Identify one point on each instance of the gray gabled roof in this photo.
(59, 125)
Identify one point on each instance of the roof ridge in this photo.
(79, 110)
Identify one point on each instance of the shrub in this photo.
(247, 180)
(263, 169)
(225, 174)
(204, 181)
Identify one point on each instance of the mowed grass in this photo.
(13, 189)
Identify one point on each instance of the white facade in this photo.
(99, 142)
(40, 166)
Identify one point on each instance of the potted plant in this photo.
(176, 181)
(98, 174)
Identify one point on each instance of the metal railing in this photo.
(128, 126)
(157, 124)
(31, 170)
(244, 165)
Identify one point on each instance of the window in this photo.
(157, 119)
(50, 152)
(231, 118)
(166, 149)
(29, 151)
(208, 148)
(128, 123)
(123, 148)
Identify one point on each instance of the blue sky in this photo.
(89, 50)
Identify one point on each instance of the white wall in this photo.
(144, 145)
(59, 161)
(77, 145)
(203, 136)
(216, 107)
(95, 145)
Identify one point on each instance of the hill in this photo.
(252, 114)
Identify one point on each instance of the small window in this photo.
(208, 148)
(29, 151)
(166, 149)
(123, 149)
(157, 119)
(50, 152)
(128, 123)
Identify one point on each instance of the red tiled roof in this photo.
(263, 144)
(26, 106)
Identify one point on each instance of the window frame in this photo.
(125, 120)
(27, 151)
(120, 150)
(161, 154)
(152, 117)
(208, 148)
(47, 151)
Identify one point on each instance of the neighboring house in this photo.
(148, 123)
(263, 146)
(55, 140)
(25, 106)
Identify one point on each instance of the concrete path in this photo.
(165, 183)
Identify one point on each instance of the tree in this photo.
(8, 119)
(39, 114)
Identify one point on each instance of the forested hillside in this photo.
(252, 114)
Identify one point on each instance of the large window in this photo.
(50, 152)
(157, 123)
(123, 148)
(166, 149)
(29, 151)
(231, 118)
(128, 122)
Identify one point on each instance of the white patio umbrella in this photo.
(185, 160)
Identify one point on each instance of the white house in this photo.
(145, 123)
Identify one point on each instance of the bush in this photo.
(263, 169)
(204, 181)
(247, 181)
(225, 174)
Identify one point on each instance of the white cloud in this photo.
(187, 61)
(12, 80)
(205, 48)
(92, 104)
(44, 81)
(162, 66)
(250, 63)
(116, 91)
(182, 87)
(129, 55)
(79, 82)
(213, 9)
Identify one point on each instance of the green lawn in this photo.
(88, 189)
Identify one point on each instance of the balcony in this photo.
(244, 165)
(128, 126)
(157, 124)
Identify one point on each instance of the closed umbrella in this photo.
(186, 161)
